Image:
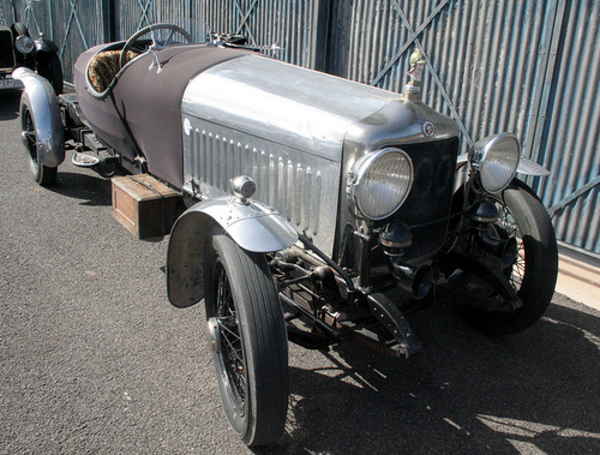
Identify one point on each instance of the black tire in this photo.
(43, 175)
(247, 319)
(48, 66)
(534, 271)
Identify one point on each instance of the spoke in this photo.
(232, 340)
(508, 223)
(30, 136)
(518, 269)
(232, 351)
(227, 329)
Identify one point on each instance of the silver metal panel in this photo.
(285, 104)
(303, 188)
(2, 15)
(284, 29)
(74, 26)
(571, 138)
(132, 15)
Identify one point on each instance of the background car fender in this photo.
(46, 115)
(45, 45)
(252, 225)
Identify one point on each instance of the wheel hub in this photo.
(214, 336)
(25, 137)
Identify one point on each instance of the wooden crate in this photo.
(145, 206)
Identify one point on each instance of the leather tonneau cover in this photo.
(151, 102)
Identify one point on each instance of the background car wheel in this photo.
(48, 66)
(534, 271)
(249, 340)
(43, 175)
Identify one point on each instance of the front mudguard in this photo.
(252, 225)
(45, 111)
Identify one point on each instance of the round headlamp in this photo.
(24, 44)
(494, 161)
(379, 183)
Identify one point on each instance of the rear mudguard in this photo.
(253, 226)
(46, 116)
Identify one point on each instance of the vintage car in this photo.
(18, 49)
(319, 210)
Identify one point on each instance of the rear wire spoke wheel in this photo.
(249, 340)
(43, 175)
(534, 271)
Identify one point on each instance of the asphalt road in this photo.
(93, 358)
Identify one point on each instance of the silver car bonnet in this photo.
(280, 124)
(282, 103)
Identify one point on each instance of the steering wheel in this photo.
(151, 28)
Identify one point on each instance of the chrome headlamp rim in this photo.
(358, 174)
(24, 44)
(483, 152)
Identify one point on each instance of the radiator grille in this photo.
(301, 187)
(427, 207)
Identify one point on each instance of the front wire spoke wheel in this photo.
(250, 352)
(231, 340)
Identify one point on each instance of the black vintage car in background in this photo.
(319, 210)
(19, 49)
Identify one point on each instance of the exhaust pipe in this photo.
(415, 280)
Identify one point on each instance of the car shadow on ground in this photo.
(92, 190)
(9, 100)
(534, 392)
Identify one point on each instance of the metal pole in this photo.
(108, 21)
(50, 20)
(14, 8)
(323, 35)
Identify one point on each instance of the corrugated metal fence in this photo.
(526, 66)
